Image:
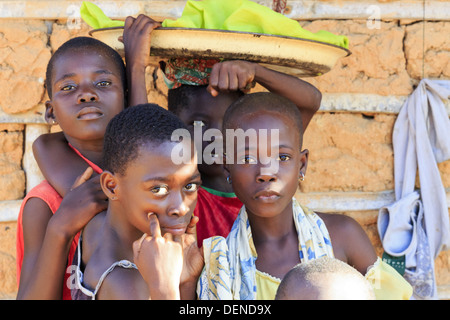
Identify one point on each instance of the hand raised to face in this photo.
(160, 261)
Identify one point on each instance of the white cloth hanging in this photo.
(418, 227)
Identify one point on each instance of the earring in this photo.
(229, 179)
(302, 176)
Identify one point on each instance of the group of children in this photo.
(118, 219)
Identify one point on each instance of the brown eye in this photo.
(104, 83)
(160, 190)
(191, 187)
(248, 160)
(68, 87)
(284, 157)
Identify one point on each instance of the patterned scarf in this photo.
(279, 6)
(188, 71)
(229, 271)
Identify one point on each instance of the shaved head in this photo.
(324, 279)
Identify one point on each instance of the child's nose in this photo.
(178, 206)
(266, 175)
(266, 178)
(87, 96)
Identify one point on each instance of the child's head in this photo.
(194, 105)
(140, 176)
(86, 45)
(86, 85)
(266, 166)
(324, 279)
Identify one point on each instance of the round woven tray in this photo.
(299, 57)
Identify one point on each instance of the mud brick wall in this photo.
(394, 44)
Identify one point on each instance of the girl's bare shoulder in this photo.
(337, 221)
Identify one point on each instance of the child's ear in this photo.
(49, 115)
(109, 184)
(303, 163)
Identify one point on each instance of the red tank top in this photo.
(51, 197)
(217, 212)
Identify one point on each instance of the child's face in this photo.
(267, 189)
(153, 183)
(207, 111)
(87, 94)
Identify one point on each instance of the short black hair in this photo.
(88, 44)
(180, 98)
(263, 101)
(132, 128)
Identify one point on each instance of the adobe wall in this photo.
(350, 168)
